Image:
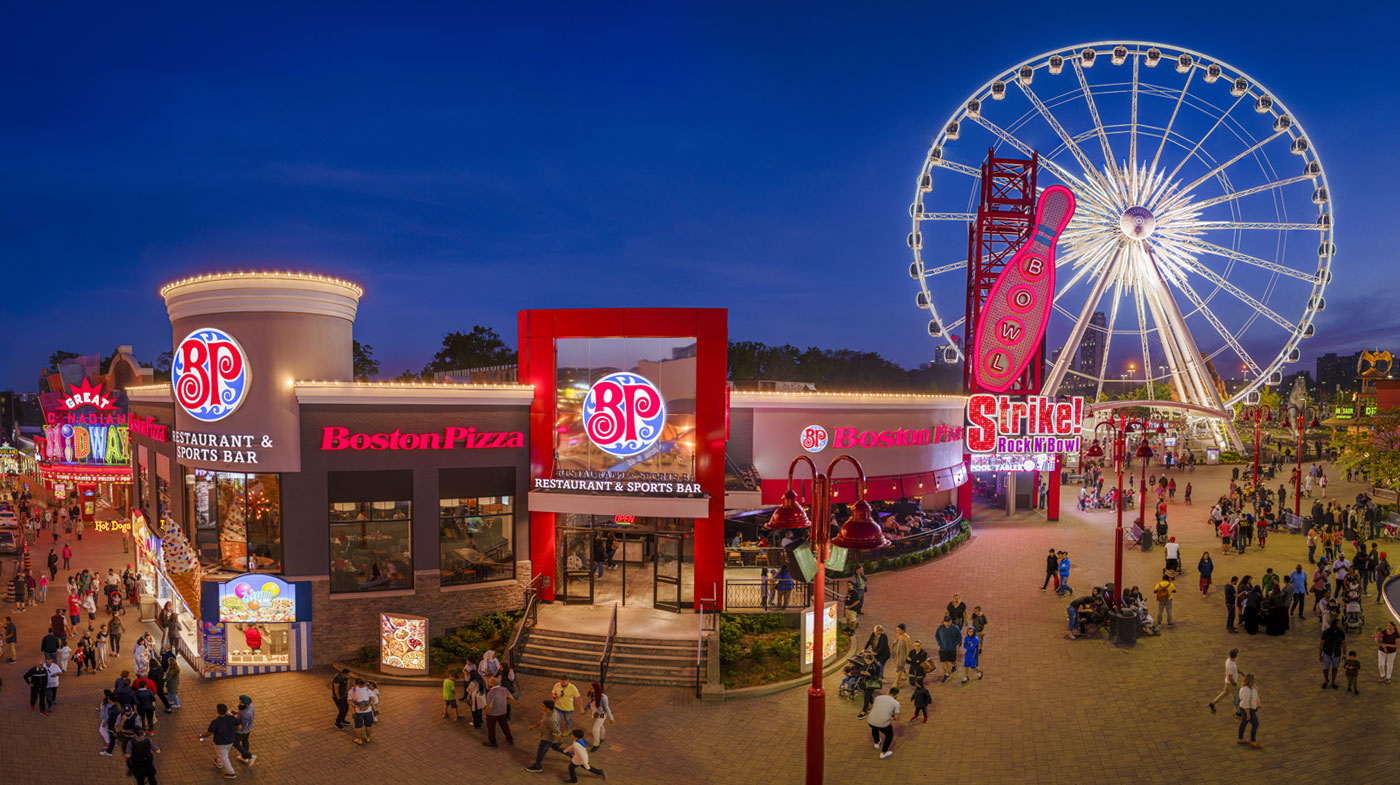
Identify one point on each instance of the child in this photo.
(1188, 493)
(578, 757)
(1352, 666)
(972, 649)
(850, 679)
(374, 698)
(922, 699)
(449, 696)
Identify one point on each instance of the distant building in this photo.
(1091, 344)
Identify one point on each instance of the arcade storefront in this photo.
(302, 498)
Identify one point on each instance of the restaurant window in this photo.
(162, 501)
(237, 519)
(475, 539)
(143, 483)
(371, 546)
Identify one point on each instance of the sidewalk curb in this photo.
(768, 689)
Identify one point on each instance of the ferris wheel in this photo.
(1203, 238)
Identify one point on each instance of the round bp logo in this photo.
(814, 438)
(623, 414)
(210, 373)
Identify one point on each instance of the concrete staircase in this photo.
(648, 661)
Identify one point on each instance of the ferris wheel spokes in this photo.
(1196, 243)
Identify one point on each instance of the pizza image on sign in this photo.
(1017, 309)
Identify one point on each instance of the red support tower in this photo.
(1004, 221)
(1005, 218)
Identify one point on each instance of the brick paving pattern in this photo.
(1049, 710)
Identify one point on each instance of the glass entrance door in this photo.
(576, 566)
(666, 587)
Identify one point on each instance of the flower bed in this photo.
(761, 648)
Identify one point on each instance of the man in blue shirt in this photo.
(244, 713)
(1299, 579)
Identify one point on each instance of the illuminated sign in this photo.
(1017, 309)
(828, 634)
(1003, 424)
(257, 598)
(85, 394)
(997, 462)
(337, 438)
(141, 426)
(210, 374)
(627, 483)
(220, 447)
(623, 414)
(90, 444)
(403, 643)
(815, 438)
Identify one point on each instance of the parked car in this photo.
(9, 543)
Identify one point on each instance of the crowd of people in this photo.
(958, 639)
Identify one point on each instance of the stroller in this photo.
(851, 674)
(1162, 531)
(1352, 615)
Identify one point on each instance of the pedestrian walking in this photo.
(172, 685)
(363, 703)
(222, 728)
(1298, 589)
(899, 652)
(340, 687)
(972, 652)
(881, 719)
(1351, 666)
(114, 634)
(1205, 567)
(948, 639)
(1386, 642)
(1063, 567)
(548, 726)
(600, 710)
(1249, 711)
(578, 757)
(37, 678)
(1379, 573)
(140, 756)
(475, 696)
(243, 735)
(9, 640)
(1232, 680)
(449, 696)
(498, 700)
(879, 643)
(1164, 591)
(1230, 596)
(564, 695)
(1052, 568)
(1329, 652)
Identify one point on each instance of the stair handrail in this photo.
(700, 641)
(529, 619)
(605, 660)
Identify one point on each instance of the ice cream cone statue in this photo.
(179, 556)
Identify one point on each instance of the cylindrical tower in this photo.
(240, 341)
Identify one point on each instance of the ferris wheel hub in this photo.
(1137, 223)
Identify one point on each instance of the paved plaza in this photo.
(1049, 711)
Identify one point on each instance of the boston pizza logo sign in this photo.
(814, 438)
(211, 374)
(624, 414)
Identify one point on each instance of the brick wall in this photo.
(343, 624)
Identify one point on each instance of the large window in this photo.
(371, 546)
(476, 539)
(237, 519)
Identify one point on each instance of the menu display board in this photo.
(215, 636)
(257, 598)
(828, 635)
(403, 644)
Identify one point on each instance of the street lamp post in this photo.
(859, 533)
(1120, 431)
(1259, 415)
(1298, 419)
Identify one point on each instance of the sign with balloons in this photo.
(257, 598)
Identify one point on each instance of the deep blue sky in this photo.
(465, 164)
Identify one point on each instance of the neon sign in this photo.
(623, 414)
(104, 444)
(86, 394)
(814, 438)
(257, 598)
(337, 438)
(1017, 309)
(210, 372)
(1003, 424)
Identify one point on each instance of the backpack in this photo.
(1163, 593)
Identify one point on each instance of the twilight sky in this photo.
(463, 164)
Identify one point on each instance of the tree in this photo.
(832, 369)
(161, 366)
(1374, 447)
(365, 364)
(407, 376)
(58, 357)
(480, 348)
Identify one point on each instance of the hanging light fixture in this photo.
(789, 514)
(861, 532)
(1143, 451)
(1094, 451)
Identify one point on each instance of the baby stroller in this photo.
(1162, 532)
(851, 674)
(1352, 616)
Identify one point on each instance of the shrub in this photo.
(786, 647)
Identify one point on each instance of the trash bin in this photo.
(1125, 628)
(1145, 541)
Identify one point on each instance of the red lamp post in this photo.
(859, 533)
(1260, 415)
(1120, 431)
(1298, 419)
